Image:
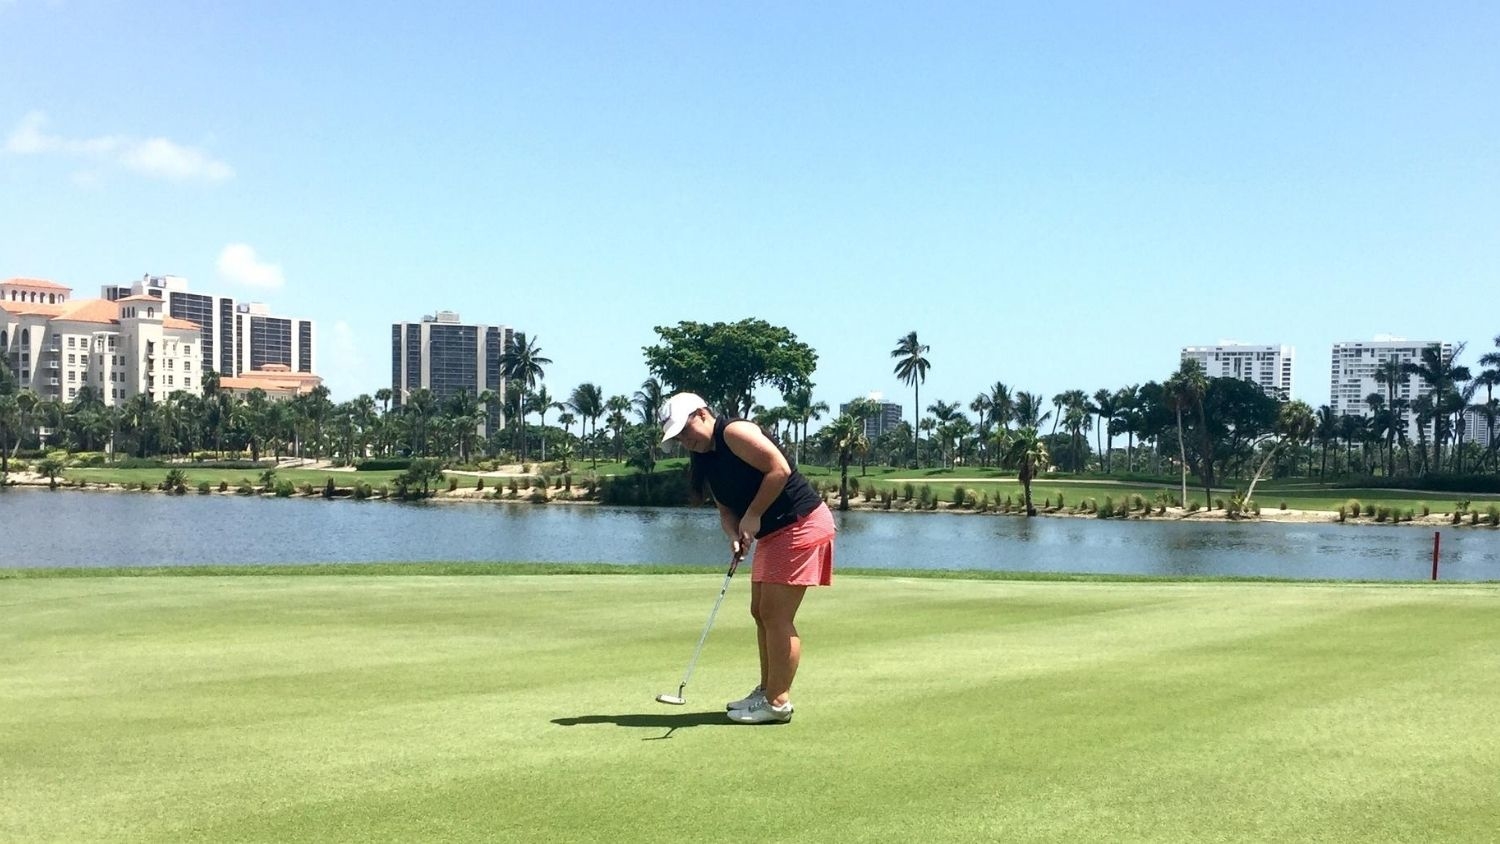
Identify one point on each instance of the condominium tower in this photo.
(444, 355)
(1353, 373)
(886, 417)
(56, 345)
(1267, 367)
(237, 337)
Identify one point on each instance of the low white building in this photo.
(55, 345)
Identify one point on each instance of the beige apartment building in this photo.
(55, 345)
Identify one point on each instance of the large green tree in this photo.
(725, 362)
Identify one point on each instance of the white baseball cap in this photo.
(674, 413)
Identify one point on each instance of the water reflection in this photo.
(38, 528)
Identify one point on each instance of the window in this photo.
(186, 365)
(71, 340)
(187, 382)
(71, 357)
(169, 380)
(72, 392)
(170, 362)
(72, 375)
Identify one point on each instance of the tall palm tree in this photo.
(982, 405)
(846, 435)
(1028, 412)
(543, 401)
(1184, 390)
(1294, 425)
(587, 401)
(522, 362)
(911, 368)
(1442, 377)
(1106, 405)
(1490, 377)
(1026, 452)
(1002, 407)
(943, 414)
(801, 410)
(1390, 373)
(1327, 432)
(648, 400)
(615, 409)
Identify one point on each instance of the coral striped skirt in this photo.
(800, 554)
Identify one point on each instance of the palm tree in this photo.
(801, 409)
(1442, 378)
(615, 408)
(587, 401)
(1026, 452)
(1107, 407)
(943, 414)
(1327, 432)
(1132, 420)
(846, 435)
(982, 405)
(1184, 389)
(522, 362)
(10, 430)
(1029, 411)
(1294, 425)
(1491, 379)
(543, 401)
(911, 368)
(1390, 373)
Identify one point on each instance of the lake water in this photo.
(69, 528)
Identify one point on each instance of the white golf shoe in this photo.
(757, 693)
(762, 712)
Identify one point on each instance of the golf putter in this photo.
(678, 699)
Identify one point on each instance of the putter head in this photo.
(674, 700)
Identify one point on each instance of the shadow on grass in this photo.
(669, 721)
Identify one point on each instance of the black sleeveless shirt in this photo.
(734, 484)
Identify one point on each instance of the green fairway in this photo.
(471, 708)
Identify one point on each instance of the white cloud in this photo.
(238, 262)
(156, 157)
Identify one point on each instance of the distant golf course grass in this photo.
(463, 708)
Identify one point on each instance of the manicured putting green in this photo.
(282, 708)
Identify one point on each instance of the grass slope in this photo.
(362, 707)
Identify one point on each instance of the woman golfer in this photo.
(760, 499)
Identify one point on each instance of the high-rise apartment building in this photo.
(444, 355)
(237, 336)
(887, 416)
(56, 345)
(1267, 367)
(1355, 363)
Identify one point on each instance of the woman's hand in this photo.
(749, 527)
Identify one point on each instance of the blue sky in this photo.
(1055, 196)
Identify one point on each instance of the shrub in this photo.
(960, 496)
(1456, 518)
(175, 479)
(1409, 515)
(245, 489)
(268, 478)
(379, 464)
(1354, 507)
(538, 495)
(384, 491)
(1192, 507)
(306, 489)
(204, 488)
(1343, 512)
(479, 484)
(1473, 517)
(361, 491)
(1107, 509)
(924, 496)
(1492, 514)
(223, 486)
(1283, 504)
(908, 490)
(1382, 513)
(283, 489)
(1059, 501)
(1426, 510)
(1218, 504)
(525, 468)
(453, 484)
(514, 486)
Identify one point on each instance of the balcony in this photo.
(52, 364)
(52, 382)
